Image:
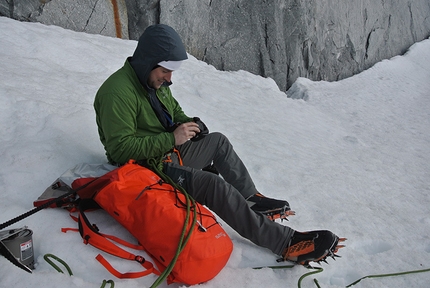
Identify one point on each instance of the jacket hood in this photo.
(158, 43)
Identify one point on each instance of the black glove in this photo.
(203, 129)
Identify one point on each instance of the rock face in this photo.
(319, 40)
(141, 14)
(105, 17)
(282, 39)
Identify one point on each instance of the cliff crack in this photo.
(411, 25)
(204, 54)
(91, 14)
(104, 27)
(266, 36)
(366, 55)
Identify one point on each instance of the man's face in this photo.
(158, 76)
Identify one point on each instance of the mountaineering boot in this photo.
(312, 246)
(272, 208)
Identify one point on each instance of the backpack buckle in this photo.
(139, 259)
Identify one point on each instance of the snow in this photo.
(352, 156)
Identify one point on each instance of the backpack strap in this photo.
(111, 237)
(91, 235)
(128, 275)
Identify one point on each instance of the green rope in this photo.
(390, 274)
(369, 276)
(299, 283)
(318, 270)
(316, 283)
(112, 284)
(157, 167)
(47, 256)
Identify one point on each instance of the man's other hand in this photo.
(185, 132)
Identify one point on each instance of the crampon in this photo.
(280, 213)
(313, 246)
(331, 253)
(270, 207)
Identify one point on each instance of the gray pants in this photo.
(225, 196)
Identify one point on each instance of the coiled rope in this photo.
(157, 168)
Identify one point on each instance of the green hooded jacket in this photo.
(127, 124)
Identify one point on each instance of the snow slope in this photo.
(353, 157)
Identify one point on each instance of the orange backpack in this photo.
(183, 238)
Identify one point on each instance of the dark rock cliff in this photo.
(282, 39)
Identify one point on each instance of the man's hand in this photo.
(185, 132)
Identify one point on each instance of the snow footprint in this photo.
(351, 139)
(372, 247)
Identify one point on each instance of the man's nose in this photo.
(168, 77)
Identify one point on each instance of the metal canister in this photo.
(21, 246)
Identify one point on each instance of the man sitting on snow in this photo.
(139, 119)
